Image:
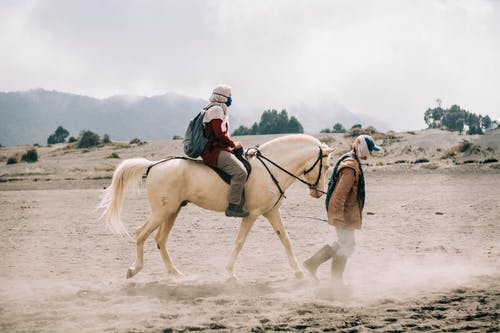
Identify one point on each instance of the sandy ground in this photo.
(427, 258)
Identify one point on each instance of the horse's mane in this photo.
(292, 138)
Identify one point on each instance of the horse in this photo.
(174, 182)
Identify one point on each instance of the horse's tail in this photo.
(130, 170)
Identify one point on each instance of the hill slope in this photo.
(31, 116)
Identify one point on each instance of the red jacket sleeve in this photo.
(220, 135)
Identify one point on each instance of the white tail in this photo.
(130, 170)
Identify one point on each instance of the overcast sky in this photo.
(388, 59)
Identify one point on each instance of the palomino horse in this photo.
(173, 183)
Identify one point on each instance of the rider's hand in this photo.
(237, 145)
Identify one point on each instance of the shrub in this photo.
(137, 141)
(30, 156)
(88, 139)
(114, 155)
(465, 145)
(12, 160)
(490, 160)
(422, 160)
(177, 137)
(72, 139)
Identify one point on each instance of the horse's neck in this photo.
(292, 158)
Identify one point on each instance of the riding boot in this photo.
(236, 211)
(338, 268)
(312, 264)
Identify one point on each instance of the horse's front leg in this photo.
(161, 240)
(274, 217)
(245, 226)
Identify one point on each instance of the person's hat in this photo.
(222, 90)
(370, 143)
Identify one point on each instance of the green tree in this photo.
(88, 139)
(272, 122)
(242, 130)
(106, 139)
(294, 126)
(58, 136)
(486, 122)
(255, 129)
(338, 128)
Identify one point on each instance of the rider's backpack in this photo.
(194, 140)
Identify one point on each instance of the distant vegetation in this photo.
(12, 160)
(337, 128)
(30, 156)
(88, 139)
(137, 141)
(58, 136)
(457, 119)
(272, 122)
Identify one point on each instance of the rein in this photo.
(261, 158)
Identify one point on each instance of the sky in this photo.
(390, 60)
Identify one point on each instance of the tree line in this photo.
(272, 122)
(458, 119)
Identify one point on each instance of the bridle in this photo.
(319, 160)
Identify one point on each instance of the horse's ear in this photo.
(328, 151)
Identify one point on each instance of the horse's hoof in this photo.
(130, 273)
(176, 273)
(299, 275)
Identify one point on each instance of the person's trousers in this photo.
(345, 244)
(228, 163)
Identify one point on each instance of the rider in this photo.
(218, 149)
(344, 208)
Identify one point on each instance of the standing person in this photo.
(217, 152)
(344, 203)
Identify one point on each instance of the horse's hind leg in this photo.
(245, 226)
(142, 233)
(161, 240)
(274, 217)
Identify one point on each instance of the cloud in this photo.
(387, 59)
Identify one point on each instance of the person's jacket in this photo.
(216, 131)
(344, 208)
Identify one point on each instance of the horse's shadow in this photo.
(199, 290)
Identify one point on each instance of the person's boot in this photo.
(236, 211)
(312, 264)
(338, 268)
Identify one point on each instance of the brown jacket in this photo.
(344, 208)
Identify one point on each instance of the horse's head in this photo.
(315, 170)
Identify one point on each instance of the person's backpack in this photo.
(194, 140)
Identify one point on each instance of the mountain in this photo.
(324, 114)
(31, 116)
